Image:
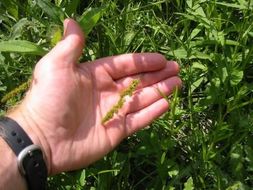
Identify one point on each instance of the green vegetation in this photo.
(206, 140)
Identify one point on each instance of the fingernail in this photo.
(65, 24)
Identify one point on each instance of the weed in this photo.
(205, 140)
(127, 92)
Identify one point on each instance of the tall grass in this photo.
(205, 141)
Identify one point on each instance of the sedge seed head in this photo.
(115, 109)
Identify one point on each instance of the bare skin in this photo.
(63, 109)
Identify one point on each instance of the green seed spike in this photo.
(21, 88)
(115, 109)
(129, 91)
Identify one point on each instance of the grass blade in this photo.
(53, 11)
(72, 6)
(90, 18)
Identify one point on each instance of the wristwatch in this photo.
(30, 157)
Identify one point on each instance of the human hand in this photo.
(63, 109)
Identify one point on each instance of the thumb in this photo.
(69, 49)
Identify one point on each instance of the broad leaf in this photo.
(189, 184)
(55, 34)
(236, 77)
(21, 46)
(198, 65)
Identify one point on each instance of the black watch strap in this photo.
(30, 157)
(14, 135)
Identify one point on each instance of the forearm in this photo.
(10, 177)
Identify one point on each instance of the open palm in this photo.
(67, 101)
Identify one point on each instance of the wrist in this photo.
(33, 131)
(9, 172)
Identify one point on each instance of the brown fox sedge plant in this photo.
(127, 92)
(20, 89)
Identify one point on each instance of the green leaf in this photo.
(200, 55)
(82, 178)
(196, 31)
(196, 84)
(232, 42)
(55, 34)
(221, 38)
(2, 59)
(189, 3)
(188, 185)
(198, 65)
(173, 172)
(199, 11)
(236, 77)
(58, 2)
(249, 157)
(179, 53)
(90, 18)
(17, 29)
(52, 10)
(224, 74)
(163, 157)
(237, 160)
(216, 82)
(232, 5)
(249, 153)
(72, 6)
(2, 87)
(237, 186)
(11, 7)
(21, 46)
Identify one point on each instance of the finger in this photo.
(120, 127)
(129, 64)
(146, 96)
(150, 78)
(146, 105)
(69, 49)
(140, 119)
